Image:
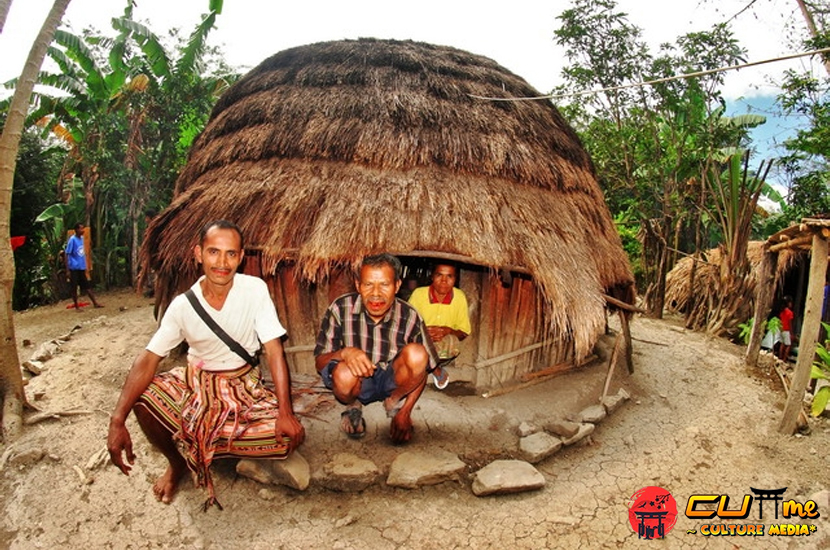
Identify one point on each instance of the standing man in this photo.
(374, 347)
(75, 257)
(217, 406)
(444, 310)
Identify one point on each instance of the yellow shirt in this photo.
(453, 315)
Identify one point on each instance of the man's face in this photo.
(220, 254)
(377, 288)
(443, 279)
(79, 231)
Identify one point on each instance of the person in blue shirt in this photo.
(76, 266)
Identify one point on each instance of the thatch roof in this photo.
(679, 292)
(329, 152)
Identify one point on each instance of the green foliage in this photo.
(745, 330)
(820, 370)
(38, 166)
(127, 109)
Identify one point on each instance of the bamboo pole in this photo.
(809, 334)
(763, 303)
(792, 243)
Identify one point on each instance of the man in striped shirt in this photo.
(374, 347)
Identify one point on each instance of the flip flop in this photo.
(356, 421)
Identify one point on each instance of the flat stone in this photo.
(348, 473)
(507, 476)
(624, 394)
(585, 430)
(562, 427)
(46, 351)
(292, 472)
(526, 428)
(413, 469)
(33, 367)
(538, 446)
(593, 414)
(612, 402)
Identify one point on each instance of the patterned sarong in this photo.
(214, 415)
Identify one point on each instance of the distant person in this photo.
(217, 406)
(444, 310)
(75, 258)
(373, 347)
(786, 315)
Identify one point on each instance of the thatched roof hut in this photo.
(329, 152)
(683, 295)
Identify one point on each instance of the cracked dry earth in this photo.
(698, 422)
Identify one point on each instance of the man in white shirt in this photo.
(217, 406)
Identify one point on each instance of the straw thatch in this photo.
(680, 296)
(329, 152)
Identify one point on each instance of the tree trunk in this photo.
(11, 381)
(4, 12)
(814, 31)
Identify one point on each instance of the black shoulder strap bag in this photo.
(235, 346)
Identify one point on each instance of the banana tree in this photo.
(117, 95)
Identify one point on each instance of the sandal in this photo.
(356, 421)
(441, 378)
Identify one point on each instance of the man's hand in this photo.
(289, 426)
(437, 333)
(357, 362)
(118, 440)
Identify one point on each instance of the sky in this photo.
(517, 34)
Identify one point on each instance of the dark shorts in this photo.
(77, 278)
(377, 388)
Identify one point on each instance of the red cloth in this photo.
(17, 242)
(786, 319)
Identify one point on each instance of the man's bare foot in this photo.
(401, 428)
(166, 486)
(392, 406)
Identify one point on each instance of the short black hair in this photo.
(221, 224)
(380, 260)
(78, 227)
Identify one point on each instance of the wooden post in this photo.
(809, 334)
(763, 303)
(629, 352)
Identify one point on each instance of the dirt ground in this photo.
(698, 422)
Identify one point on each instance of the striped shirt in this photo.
(347, 324)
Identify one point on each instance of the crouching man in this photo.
(217, 406)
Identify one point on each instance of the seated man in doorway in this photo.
(372, 347)
(444, 309)
(218, 406)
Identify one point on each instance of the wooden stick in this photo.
(622, 305)
(792, 243)
(555, 369)
(534, 381)
(629, 351)
(803, 415)
(611, 364)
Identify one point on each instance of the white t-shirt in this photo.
(248, 316)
